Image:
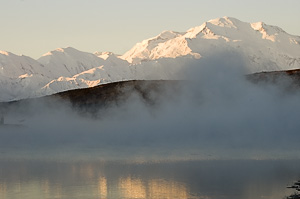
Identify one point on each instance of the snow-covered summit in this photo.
(143, 50)
(58, 70)
(76, 69)
(13, 66)
(264, 47)
(69, 61)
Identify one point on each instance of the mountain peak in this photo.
(61, 50)
(143, 49)
(193, 32)
(167, 34)
(208, 28)
(228, 22)
(225, 32)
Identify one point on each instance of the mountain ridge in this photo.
(165, 56)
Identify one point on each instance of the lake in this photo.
(215, 179)
(243, 145)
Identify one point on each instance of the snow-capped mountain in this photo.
(20, 76)
(76, 69)
(12, 65)
(150, 49)
(264, 48)
(69, 61)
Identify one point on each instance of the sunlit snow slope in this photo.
(264, 48)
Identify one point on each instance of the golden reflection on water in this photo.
(167, 189)
(126, 188)
(132, 188)
(155, 189)
(102, 188)
(100, 181)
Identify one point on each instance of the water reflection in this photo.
(132, 188)
(102, 188)
(155, 188)
(166, 180)
(167, 189)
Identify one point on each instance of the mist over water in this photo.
(216, 113)
(214, 135)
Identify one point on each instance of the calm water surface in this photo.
(251, 179)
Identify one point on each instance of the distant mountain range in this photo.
(164, 57)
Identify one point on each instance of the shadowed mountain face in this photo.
(91, 100)
(115, 93)
(149, 92)
(276, 76)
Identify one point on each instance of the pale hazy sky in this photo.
(34, 27)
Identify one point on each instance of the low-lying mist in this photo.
(215, 113)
